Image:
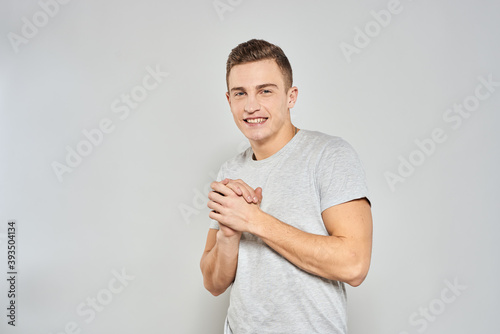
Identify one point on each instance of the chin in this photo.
(254, 135)
(257, 139)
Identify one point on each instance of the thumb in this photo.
(258, 193)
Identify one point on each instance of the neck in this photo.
(263, 150)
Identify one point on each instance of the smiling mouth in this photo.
(255, 120)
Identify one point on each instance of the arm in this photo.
(220, 258)
(343, 255)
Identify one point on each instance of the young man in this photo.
(291, 219)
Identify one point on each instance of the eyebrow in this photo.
(257, 87)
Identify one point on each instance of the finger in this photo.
(216, 197)
(246, 191)
(214, 215)
(215, 206)
(231, 184)
(217, 216)
(258, 195)
(221, 188)
(250, 194)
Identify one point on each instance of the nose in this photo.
(252, 105)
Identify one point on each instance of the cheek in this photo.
(236, 118)
(236, 108)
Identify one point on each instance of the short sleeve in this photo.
(340, 175)
(214, 224)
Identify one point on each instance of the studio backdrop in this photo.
(114, 121)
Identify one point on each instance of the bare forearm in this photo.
(219, 265)
(331, 257)
(343, 255)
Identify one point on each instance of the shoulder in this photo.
(323, 143)
(237, 161)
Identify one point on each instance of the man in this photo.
(291, 219)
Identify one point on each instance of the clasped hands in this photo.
(235, 205)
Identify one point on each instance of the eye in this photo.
(266, 91)
(238, 94)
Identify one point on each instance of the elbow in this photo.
(356, 281)
(208, 282)
(357, 273)
(352, 271)
(213, 289)
(216, 293)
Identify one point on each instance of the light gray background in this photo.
(136, 202)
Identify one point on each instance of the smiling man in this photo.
(291, 220)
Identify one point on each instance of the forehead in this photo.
(256, 73)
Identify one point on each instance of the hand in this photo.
(230, 205)
(244, 190)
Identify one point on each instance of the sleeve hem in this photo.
(345, 199)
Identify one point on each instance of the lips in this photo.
(256, 120)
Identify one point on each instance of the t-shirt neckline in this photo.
(293, 142)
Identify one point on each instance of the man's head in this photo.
(258, 49)
(260, 95)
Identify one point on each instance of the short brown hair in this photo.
(258, 49)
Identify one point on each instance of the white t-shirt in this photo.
(311, 173)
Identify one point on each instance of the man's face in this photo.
(259, 101)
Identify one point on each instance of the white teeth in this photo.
(256, 120)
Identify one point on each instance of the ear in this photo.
(228, 99)
(292, 94)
